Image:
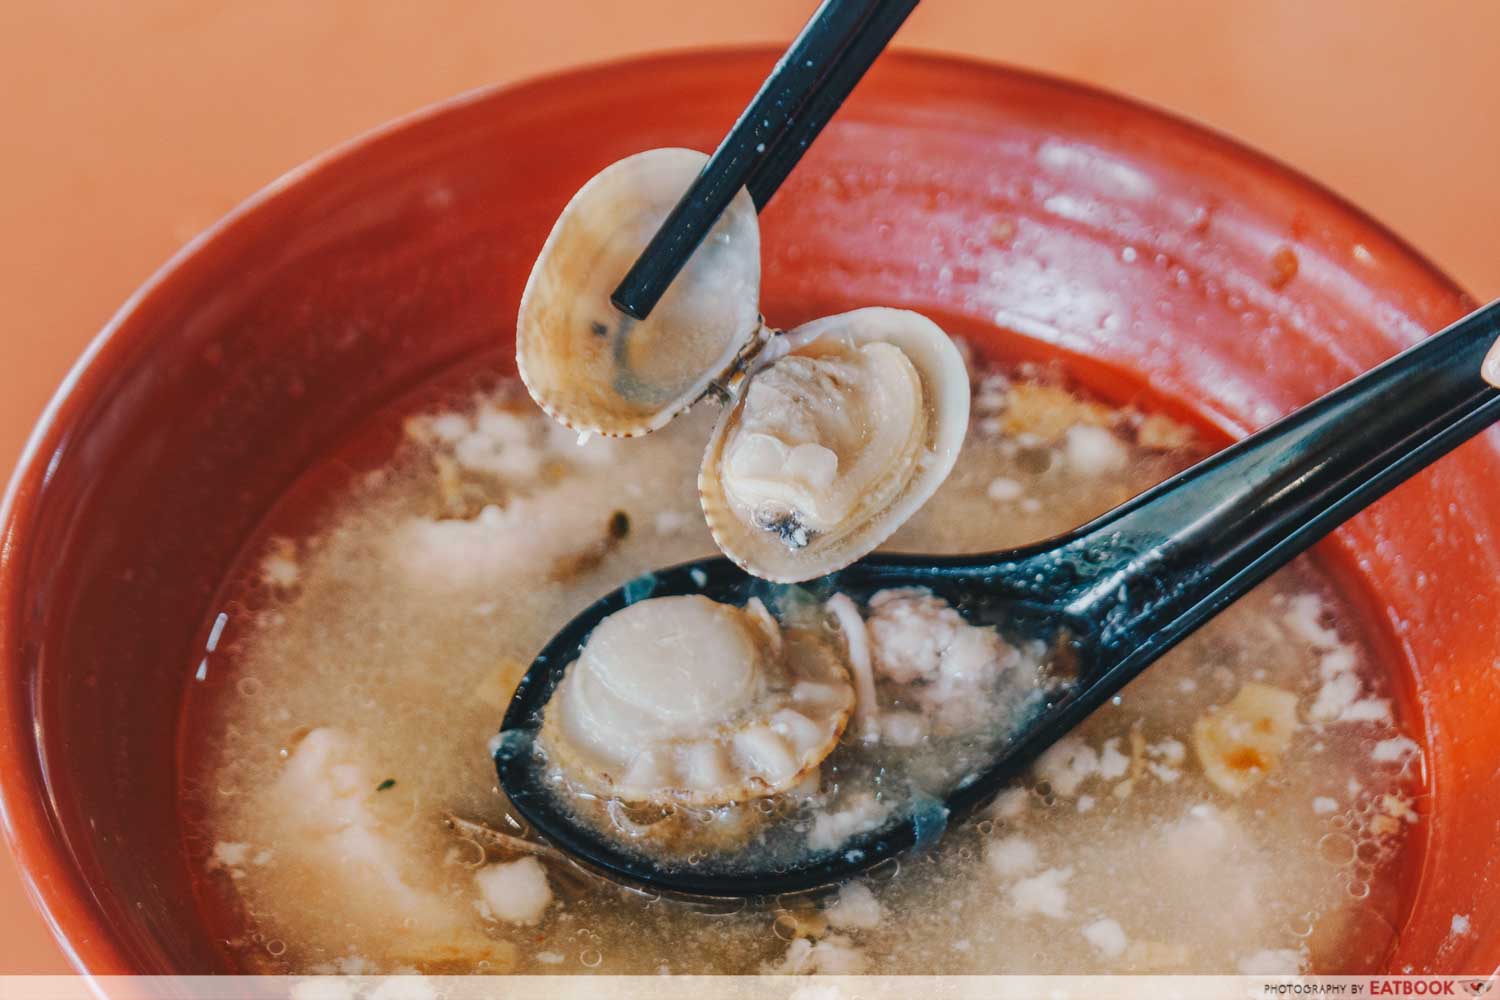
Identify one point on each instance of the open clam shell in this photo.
(683, 700)
(831, 446)
(597, 370)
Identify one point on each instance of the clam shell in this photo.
(894, 420)
(589, 365)
(684, 700)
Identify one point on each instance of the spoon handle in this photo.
(1183, 551)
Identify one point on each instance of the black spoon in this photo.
(1119, 591)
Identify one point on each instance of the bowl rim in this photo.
(28, 818)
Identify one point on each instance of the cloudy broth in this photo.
(364, 650)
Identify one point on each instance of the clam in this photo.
(831, 447)
(833, 433)
(686, 701)
(598, 370)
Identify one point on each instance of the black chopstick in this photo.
(871, 40)
(808, 84)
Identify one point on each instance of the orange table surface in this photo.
(130, 127)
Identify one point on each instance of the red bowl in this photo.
(1157, 251)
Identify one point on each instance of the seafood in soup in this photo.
(1244, 804)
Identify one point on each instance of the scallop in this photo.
(833, 434)
(683, 700)
(832, 446)
(594, 368)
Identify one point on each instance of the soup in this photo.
(344, 813)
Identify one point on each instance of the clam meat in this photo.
(686, 701)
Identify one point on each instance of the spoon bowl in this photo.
(1000, 593)
(1108, 599)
